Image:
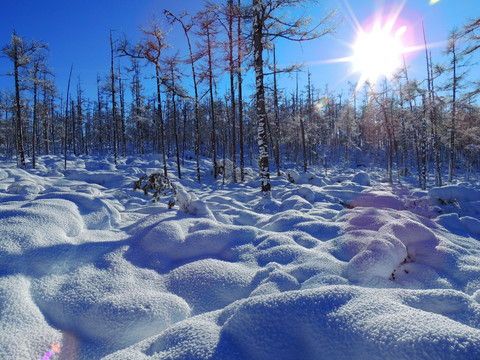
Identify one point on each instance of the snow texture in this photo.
(326, 268)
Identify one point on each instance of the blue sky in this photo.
(78, 33)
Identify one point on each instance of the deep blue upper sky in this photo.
(77, 32)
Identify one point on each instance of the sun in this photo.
(382, 44)
(377, 53)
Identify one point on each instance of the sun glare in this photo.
(378, 52)
(384, 42)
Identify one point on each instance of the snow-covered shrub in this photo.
(159, 184)
(456, 199)
(190, 204)
(451, 194)
(296, 178)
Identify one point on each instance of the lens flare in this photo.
(55, 349)
(321, 103)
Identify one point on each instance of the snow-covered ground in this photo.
(338, 267)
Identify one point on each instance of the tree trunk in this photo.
(66, 119)
(184, 137)
(35, 121)
(423, 148)
(73, 122)
(45, 118)
(232, 89)
(212, 104)
(99, 117)
(403, 136)
(277, 115)
(122, 113)
(160, 119)
(240, 99)
(20, 146)
(177, 150)
(263, 165)
(451, 164)
(302, 130)
(114, 107)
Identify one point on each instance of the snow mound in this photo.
(471, 224)
(111, 305)
(379, 247)
(38, 224)
(377, 260)
(24, 331)
(105, 178)
(307, 193)
(3, 175)
(296, 202)
(378, 199)
(163, 242)
(96, 213)
(296, 220)
(452, 193)
(463, 201)
(332, 322)
(210, 284)
(361, 178)
(25, 187)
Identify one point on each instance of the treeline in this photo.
(428, 126)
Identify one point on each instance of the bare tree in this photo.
(432, 115)
(226, 16)
(37, 72)
(121, 91)
(471, 32)
(171, 81)
(137, 109)
(151, 49)
(65, 149)
(240, 43)
(208, 30)
(187, 26)
(114, 105)
(457, 62)
(268, 25)
(47, 112)
(20, 51)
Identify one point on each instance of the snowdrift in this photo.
(325, 269)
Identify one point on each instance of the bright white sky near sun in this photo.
(78, 32)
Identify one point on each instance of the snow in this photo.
(361, 178)
(340, 267)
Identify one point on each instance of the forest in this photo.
(204, 104)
